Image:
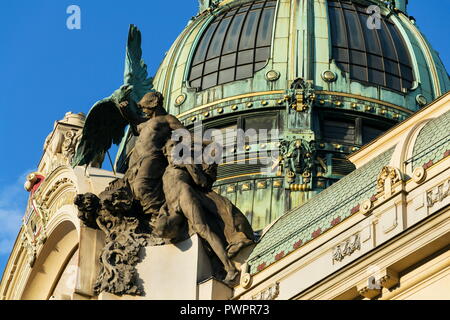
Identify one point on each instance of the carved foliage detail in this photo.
(31, 249)
(118, 258)
(127, 230)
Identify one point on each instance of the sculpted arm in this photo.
(174, 123)
(132, 118)
(197, 175)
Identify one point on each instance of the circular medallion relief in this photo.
(329, 76)
(272, 75)
(180, 100)
(421, 100)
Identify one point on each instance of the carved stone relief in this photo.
(347, 248)
(386, 180)
(438, 194)
(270, 293)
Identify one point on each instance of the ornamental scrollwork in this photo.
(387, 178)
(301, 95)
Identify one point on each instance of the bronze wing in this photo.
(104, 126)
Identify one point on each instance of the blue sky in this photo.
(47, 70)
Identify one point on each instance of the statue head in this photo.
(152, 104)
(88, 207)
(87, 202)
(125, 92)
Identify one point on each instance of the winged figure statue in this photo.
(107, 119)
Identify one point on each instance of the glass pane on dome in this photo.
(249, 32)
(228, 60)
(211, 65)
(262, 54)
(245, 57)
(234, 46)
(265, 28)
(218, 39)
(355, 39)
(259, 66)
(244, 72)
(232, 39)
(386, 43)
(372, 42)
(377, 56)
(338, 29)
(203, 46)
(209, 80)
(226, 75)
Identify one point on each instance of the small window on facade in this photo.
(259, 123)
(369, 133)
(234, 46)
(339, 131)
(266, 122)
(226, 135)
(374, 56)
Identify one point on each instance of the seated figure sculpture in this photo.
(187, 189)
(165, 196)
(154, 201)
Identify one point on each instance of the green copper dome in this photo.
(393, 64)
(329, 75)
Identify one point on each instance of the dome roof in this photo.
(229, 49)
(329, 75)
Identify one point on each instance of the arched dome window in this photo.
(234, 46)
(373, 56)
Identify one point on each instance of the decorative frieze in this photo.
(66, 199)
(347, 248)
(51, 192)
(438, 194)
(270, 293)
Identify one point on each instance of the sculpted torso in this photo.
(153, 135)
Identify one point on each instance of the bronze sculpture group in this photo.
(158, 200)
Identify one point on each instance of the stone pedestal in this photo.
(91, 243)
(172, 272)
(180, 271)
(212, 289)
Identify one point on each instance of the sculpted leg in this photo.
(147, 184)
(192, 209)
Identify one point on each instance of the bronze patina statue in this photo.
(105, 123)
(156, 201)
(188, 192)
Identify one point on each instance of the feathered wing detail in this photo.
(135, 73)
(105, 122)
(104, 126)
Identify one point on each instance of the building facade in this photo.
(354, 206)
